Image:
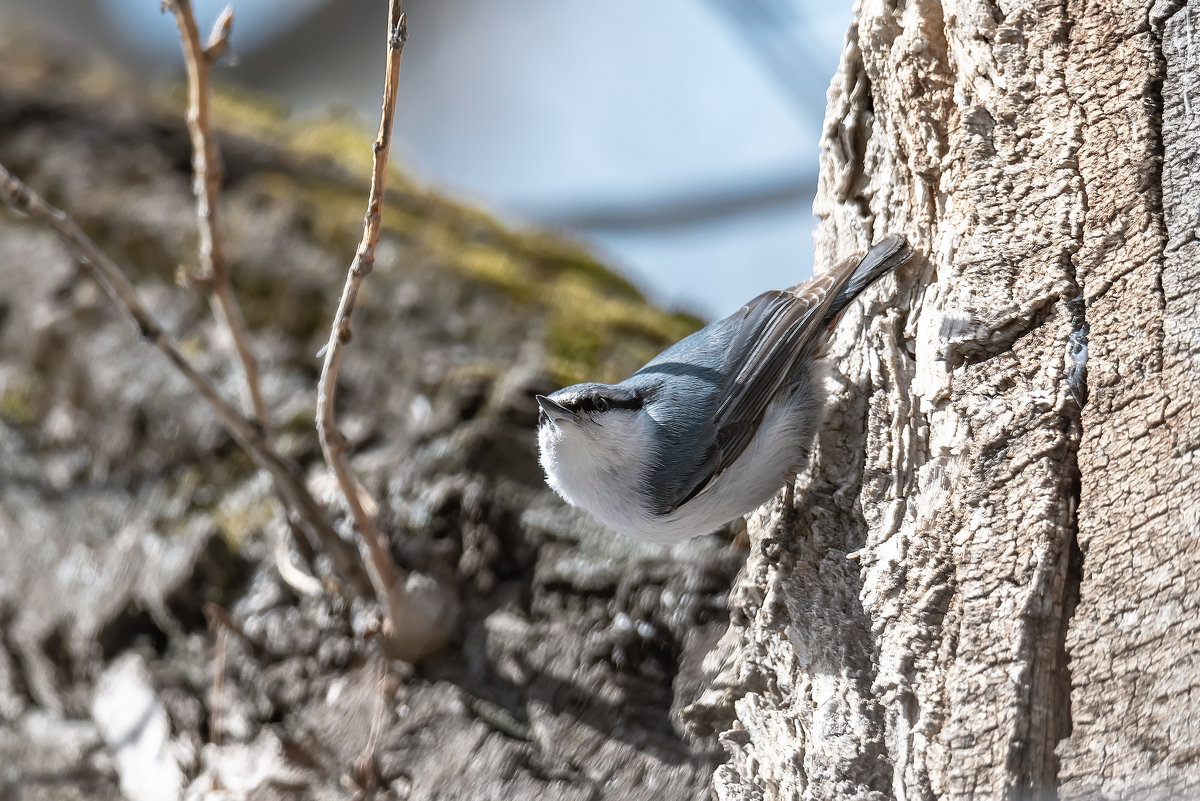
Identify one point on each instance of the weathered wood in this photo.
(1135, 637)
(1009, 454)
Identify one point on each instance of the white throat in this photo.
(598, 465)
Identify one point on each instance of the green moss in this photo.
(339, 138)
(244, 512)
(239, 518)
(495, 267)
(600, 277)
(18, 403)
(299, 310)
(595, 334)
(574, 349)
(598, 324)
(236, 108)
(301, 424)
(402, 222)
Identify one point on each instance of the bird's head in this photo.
(591, 429)
(589, 405)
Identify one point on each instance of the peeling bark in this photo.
(983, 591)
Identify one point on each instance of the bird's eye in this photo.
(601, 405)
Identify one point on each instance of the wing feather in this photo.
(779, 329)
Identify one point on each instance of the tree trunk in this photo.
(983, 591)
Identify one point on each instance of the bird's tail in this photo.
(881, 259)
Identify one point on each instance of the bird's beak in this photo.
(557, 411)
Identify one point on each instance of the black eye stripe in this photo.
(602, 403)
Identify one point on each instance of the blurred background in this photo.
(677, 137)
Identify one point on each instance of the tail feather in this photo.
(881, 259)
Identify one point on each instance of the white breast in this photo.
(598, 467)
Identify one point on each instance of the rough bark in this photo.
(1135, 658)
(983, 591)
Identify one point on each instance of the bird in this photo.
(712, 427)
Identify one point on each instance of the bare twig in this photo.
(411, 606)
(384, 572)
(216, 624)
(207, 169)
(366, 774)
(303, 511)
(294, 577)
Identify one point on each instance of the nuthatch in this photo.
(714, 425)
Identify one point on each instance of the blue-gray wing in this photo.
(779, 330)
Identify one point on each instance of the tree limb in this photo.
(207, 170)
(421, 607)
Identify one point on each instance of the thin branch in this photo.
(207, 171)
(384, 573)
(216, 693)
(366, 773)
(302, 583)
(303, 511)
(412, 606)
